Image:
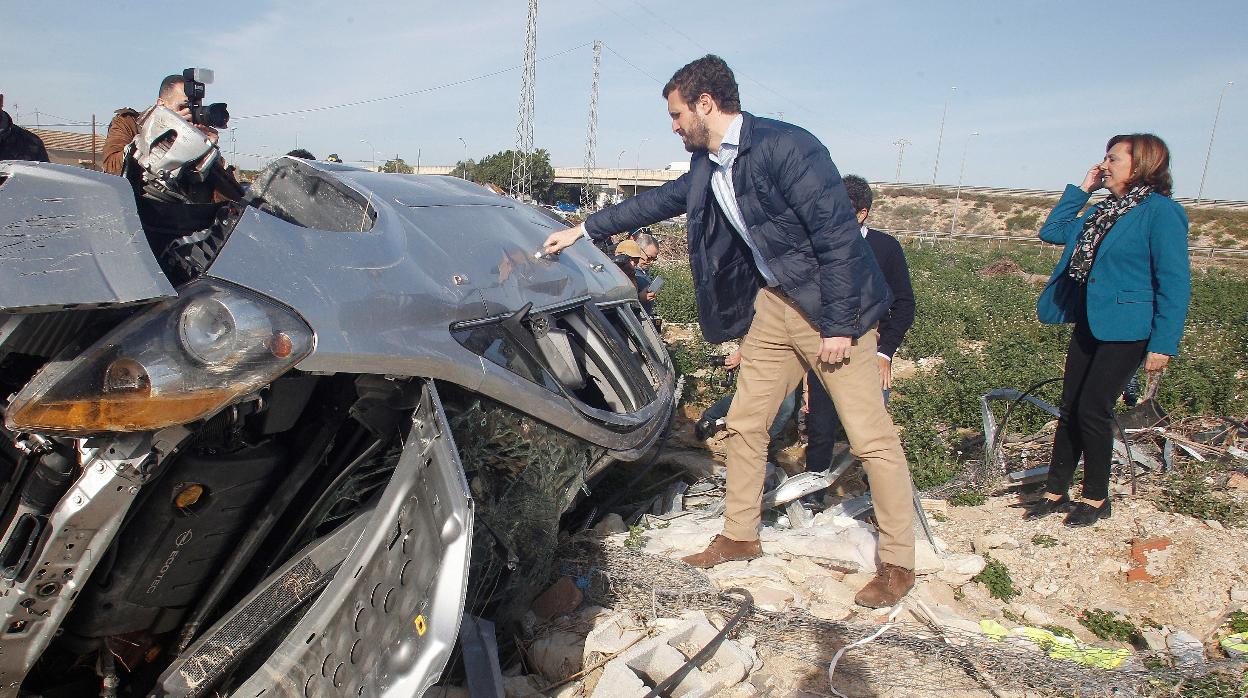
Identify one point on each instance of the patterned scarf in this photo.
(1097, 226)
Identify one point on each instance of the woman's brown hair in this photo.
(1150, 160)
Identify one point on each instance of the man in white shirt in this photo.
(777, 256)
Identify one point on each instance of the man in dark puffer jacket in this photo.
(767, 210)
(16, 143)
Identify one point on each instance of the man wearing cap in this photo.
(16, 143)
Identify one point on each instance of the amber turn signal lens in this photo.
(281, 345)
(119, 412)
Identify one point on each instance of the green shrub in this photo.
(996, 579)
(1027, 220)
(1059, 630)
(1043, 540)
(1238, 622)
(676, 302)
(968, 498)
(1189, 493)
(1108, 625)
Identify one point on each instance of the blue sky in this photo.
(1045, 84)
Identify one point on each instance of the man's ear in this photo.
(706, 104)
(862, 215)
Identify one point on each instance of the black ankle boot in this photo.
(1046, 506)
(1085, 514)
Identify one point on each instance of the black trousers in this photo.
(1096, 374)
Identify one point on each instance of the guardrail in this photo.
(1227, 204)
(933, 235)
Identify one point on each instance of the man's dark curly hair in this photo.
(859, 192)
(707, 75)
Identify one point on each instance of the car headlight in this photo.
(177, 362)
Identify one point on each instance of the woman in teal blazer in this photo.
(1125, 282)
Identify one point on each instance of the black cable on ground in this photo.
(666, 685)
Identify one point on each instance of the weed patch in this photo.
(996, 579)
(968, 498)
(1043, 540)
(1108, 625)
(1190, 493)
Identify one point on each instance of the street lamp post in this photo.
(957, 199)
(374, 151)
(637, 171)
(465, 158)
(901, 144)
(941, 137)
(618, 160)
(1214, 130)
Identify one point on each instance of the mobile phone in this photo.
(655, 284)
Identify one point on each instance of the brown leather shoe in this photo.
(723, 549)
(890, 585)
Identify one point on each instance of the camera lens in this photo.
(214, 115)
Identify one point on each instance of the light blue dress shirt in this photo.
(725, 194)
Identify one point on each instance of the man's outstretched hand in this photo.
(563, 238)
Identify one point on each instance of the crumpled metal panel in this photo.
(440, 250)
(386, 624)
(71, 237)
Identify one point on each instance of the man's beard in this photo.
(698, 139)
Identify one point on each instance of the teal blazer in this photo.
(1141, 280)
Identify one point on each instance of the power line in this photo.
(425, 90)
(632, 65)
(700, 47)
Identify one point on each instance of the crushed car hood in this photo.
(384, 266)
(71, 237)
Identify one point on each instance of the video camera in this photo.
(215, 115)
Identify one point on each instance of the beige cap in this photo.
(630, 248)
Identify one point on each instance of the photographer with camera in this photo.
(181, 94)
(188, 202)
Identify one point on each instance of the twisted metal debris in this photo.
(906, 660)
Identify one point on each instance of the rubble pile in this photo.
(624, 615)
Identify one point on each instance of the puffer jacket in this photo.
(798, 214)
(16, 143)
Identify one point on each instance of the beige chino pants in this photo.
(776, 352)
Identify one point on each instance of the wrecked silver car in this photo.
(292, 474)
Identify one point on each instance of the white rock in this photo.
(1045, 588)
(960, 568)
(798, 570)
(612, 634)
(1214, 524)
(522, 687)
(1154, 639)
(558, 654)
(833, 541)
(990, 541)
(568, 690)
(619, 681)
(1239, 594)
(829, 610)
(1186, 648)
(1034, 615)
(610, 524)
(829, 590)
(770, 598)
(926, 559)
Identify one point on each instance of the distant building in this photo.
(68, 148)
